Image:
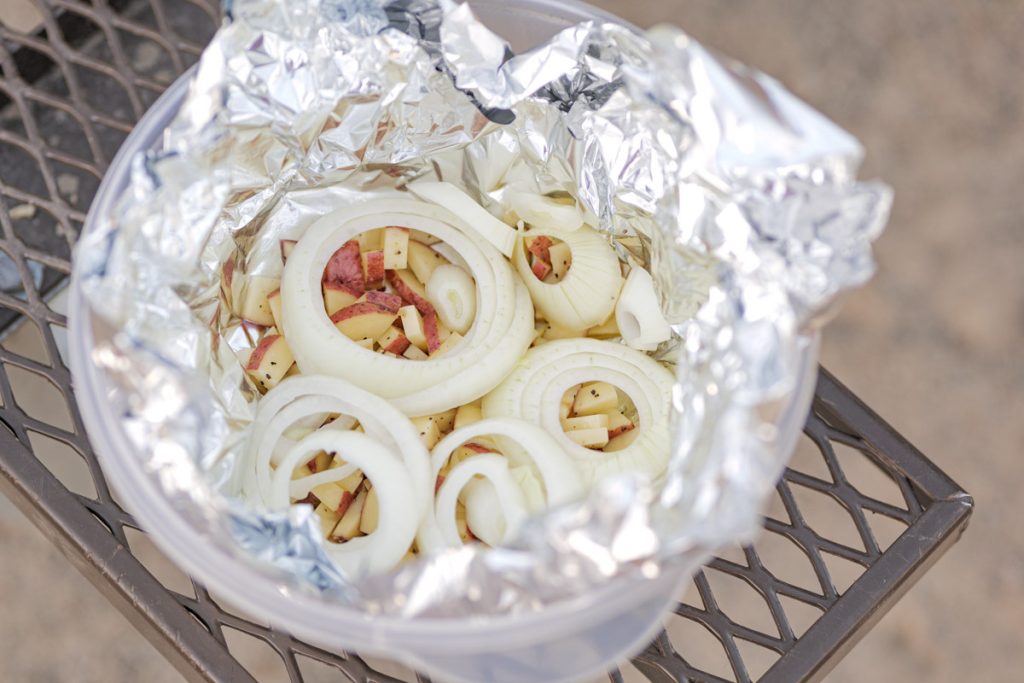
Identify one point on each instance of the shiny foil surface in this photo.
(741, 200)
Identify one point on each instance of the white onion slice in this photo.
(453, 294)
(500, 236)
(509, 497)
(561, 478)
(534, 391)
(638, 313)
(586, 296)
(318, 394)
(399, 521)
(498, 337)
(545, 212)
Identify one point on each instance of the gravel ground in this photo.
(933, 91)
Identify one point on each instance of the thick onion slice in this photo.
(534, 390)
(537, 448)
(399, 521)
(586, 296)
(499, 335)
(511, 503)
(298, 397)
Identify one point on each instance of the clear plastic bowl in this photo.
(572, 641)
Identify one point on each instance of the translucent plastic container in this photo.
(572, 641)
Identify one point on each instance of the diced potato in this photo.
(352, 482)
(460, 522)
(467, 415)
(348, 527)
(428, 430)
(274, 301)
(373, 267)
(446, 420)
(407, 285)
(337, 297)
(371, 240)
(622, 440)
(412, 323)
(565, 407)
(540, 269)
(363, 321)
(371, 513)
(561, 259)
(367, 343)
(300, 472)
(396, 248)
(252, 304)
(393, 341)
(575, 424)
(423, 237)
(269, 362)
(590, 438)
(328, 519)
(618, 424)
(414, 353)
(423, 261)
(320, 463)
(331, 495)
(447, 345)
(594, 398)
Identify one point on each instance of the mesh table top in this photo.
(859, 516)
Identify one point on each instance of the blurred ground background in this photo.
(934, 91)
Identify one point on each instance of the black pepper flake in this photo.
(268, 375)
(273, 362)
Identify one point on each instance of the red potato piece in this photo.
(252, 303)
(274, 300)
(477, 448)
(348, 526)
(540, 268)
(437, 483)
(423, 260)
(269, 361)
(414, 353)
(345, 267)
(371, 240)
(338, 296)
(410, 289)
(539, 247)
(394, 341)
(386, 300)
(561, 260)
(396, 247)
(362, 321)
(618, 424)
(286, 249)
(412, 325)
(431, 331)
(320, 463)
(373, 268)
(346, 502)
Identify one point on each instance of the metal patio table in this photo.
(71, 90)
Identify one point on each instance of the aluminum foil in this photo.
(741, 199)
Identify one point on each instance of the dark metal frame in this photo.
(189, 629)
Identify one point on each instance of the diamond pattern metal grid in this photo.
(782, 610)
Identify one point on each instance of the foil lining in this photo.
(742, 201)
